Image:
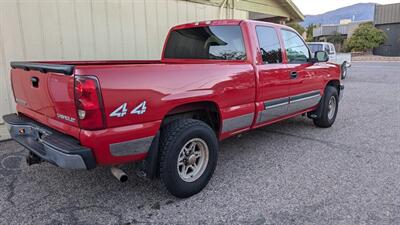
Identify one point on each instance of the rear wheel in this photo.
(329, 104)
(188, 157)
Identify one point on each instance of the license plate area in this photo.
(35, 133)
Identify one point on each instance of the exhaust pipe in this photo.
(119, 174)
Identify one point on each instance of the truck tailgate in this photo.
(45, 90)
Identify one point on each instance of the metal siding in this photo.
(347, 29)
(391, 47)
(284, 8)
(87, 38)
(89, 30)
(128, 30)
(385, 14)
(115, 31)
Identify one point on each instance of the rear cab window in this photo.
(208, 42)
(297, 51)
(271, 50)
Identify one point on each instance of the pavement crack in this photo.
(328, 143)
(11, 193)
(331, 144)
(11, 187)
(70, 211)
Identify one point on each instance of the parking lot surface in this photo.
(287, 173)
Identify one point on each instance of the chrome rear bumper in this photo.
(48, 144)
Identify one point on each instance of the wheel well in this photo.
(207, 112)
(336, 84)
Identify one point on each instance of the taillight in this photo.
(89, 103)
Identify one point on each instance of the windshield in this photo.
(316, 47)
(209, 42)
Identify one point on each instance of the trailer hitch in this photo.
(33, 159)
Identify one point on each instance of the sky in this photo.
(315, 7)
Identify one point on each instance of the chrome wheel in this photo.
(193, 160)
(331, 107)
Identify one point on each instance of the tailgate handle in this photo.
(35, 82)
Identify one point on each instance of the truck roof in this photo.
(224, 22)
(319, 43)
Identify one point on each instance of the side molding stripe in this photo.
(305, 96)
(283, 106)
(131, 147)
(237, 123)
(276, 103)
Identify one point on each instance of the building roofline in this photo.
(295, 9)
(383, 5)
(353, 22)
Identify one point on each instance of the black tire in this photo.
(326, 119)
(344, 71)
(173, 138)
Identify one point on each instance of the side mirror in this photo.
(321, 56)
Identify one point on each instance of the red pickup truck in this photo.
(216, 79)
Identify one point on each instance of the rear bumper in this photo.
(48, 144)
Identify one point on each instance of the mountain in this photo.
(357, 12)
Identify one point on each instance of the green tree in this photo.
(365, 38)
(297, 27)
(310, 30)
(336, 38)
(345, 46)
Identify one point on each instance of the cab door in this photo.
(273, 80)
(306, 78)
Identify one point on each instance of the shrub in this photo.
(365, 38)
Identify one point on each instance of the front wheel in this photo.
(344, 70)
(329, 104)
(188, 157)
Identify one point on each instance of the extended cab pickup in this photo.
(216, 79)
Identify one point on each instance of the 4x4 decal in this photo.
(122, 110)
(140, 109)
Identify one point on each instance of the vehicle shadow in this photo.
(46, 190)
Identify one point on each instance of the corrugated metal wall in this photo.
(89, 29)
(391, 47)
(385, 14)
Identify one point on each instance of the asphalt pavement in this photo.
(287, 173)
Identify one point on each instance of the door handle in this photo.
(293, 75)
(35, 82)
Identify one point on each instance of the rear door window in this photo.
(209, 42)
(296, 50)
(270, 46)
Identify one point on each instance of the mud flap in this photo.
(316, 114)
(151, 162)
